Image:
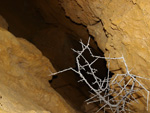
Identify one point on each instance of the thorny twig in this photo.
(121, 86)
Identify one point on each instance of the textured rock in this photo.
(24, 79)
(97, 32)
(125, 23)
(81, 12)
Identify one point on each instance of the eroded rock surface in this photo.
(119, 27)
(24, 86)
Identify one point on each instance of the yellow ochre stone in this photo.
(24, 86)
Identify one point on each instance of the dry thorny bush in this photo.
(113, 93)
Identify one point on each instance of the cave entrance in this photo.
(55, 38)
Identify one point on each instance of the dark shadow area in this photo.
(54, 35)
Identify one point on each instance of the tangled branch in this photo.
(113, 93)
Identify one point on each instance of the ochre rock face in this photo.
(120, 27)
(24, 86)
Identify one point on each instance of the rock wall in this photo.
(24, 86)
(120, 27)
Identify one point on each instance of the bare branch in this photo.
(120, 87)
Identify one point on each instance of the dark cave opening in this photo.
(55, 39)
(81, 90)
